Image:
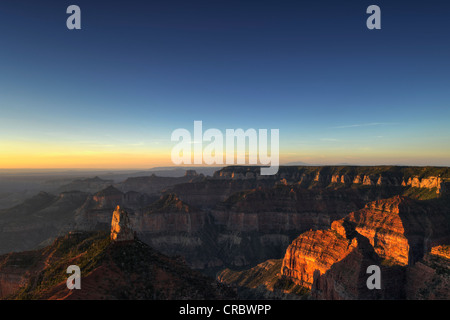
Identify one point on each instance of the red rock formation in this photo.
(392, 233)
(400, 229)
(441, 251)
(381, 223)
(428, 178)
(314, 250)
(120, 226)
(347, 278)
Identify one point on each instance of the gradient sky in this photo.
(110, 95)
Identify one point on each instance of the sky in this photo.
(111, 94)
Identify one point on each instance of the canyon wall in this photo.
(307, 176)
(238, 217)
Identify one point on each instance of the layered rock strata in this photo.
(120, 226)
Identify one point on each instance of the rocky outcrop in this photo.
(109, 197)
(346, 279)
(442, 251)
(384, 176)
(177, 229)
(91, 185)
(120, 226)
(96, 212)
(314, 250)
(428, 182)
(153, 185)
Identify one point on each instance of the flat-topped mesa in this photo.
(314, 250)
(441, 251)
(120, 226)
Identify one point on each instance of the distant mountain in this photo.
(298, 163)
(180, 171)
(87, 185)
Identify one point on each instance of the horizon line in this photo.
(219, 167)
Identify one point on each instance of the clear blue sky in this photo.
(137, 70)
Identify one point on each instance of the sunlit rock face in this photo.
(120, 226)
(442, 251)
(394, 234)
(401, 230)
(314, 250)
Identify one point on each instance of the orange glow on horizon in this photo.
(83, 161)
(27, 155)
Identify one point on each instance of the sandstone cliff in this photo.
(314, 250)
(120, 226)
(393, 233)
(400, 229)
(238, 218)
